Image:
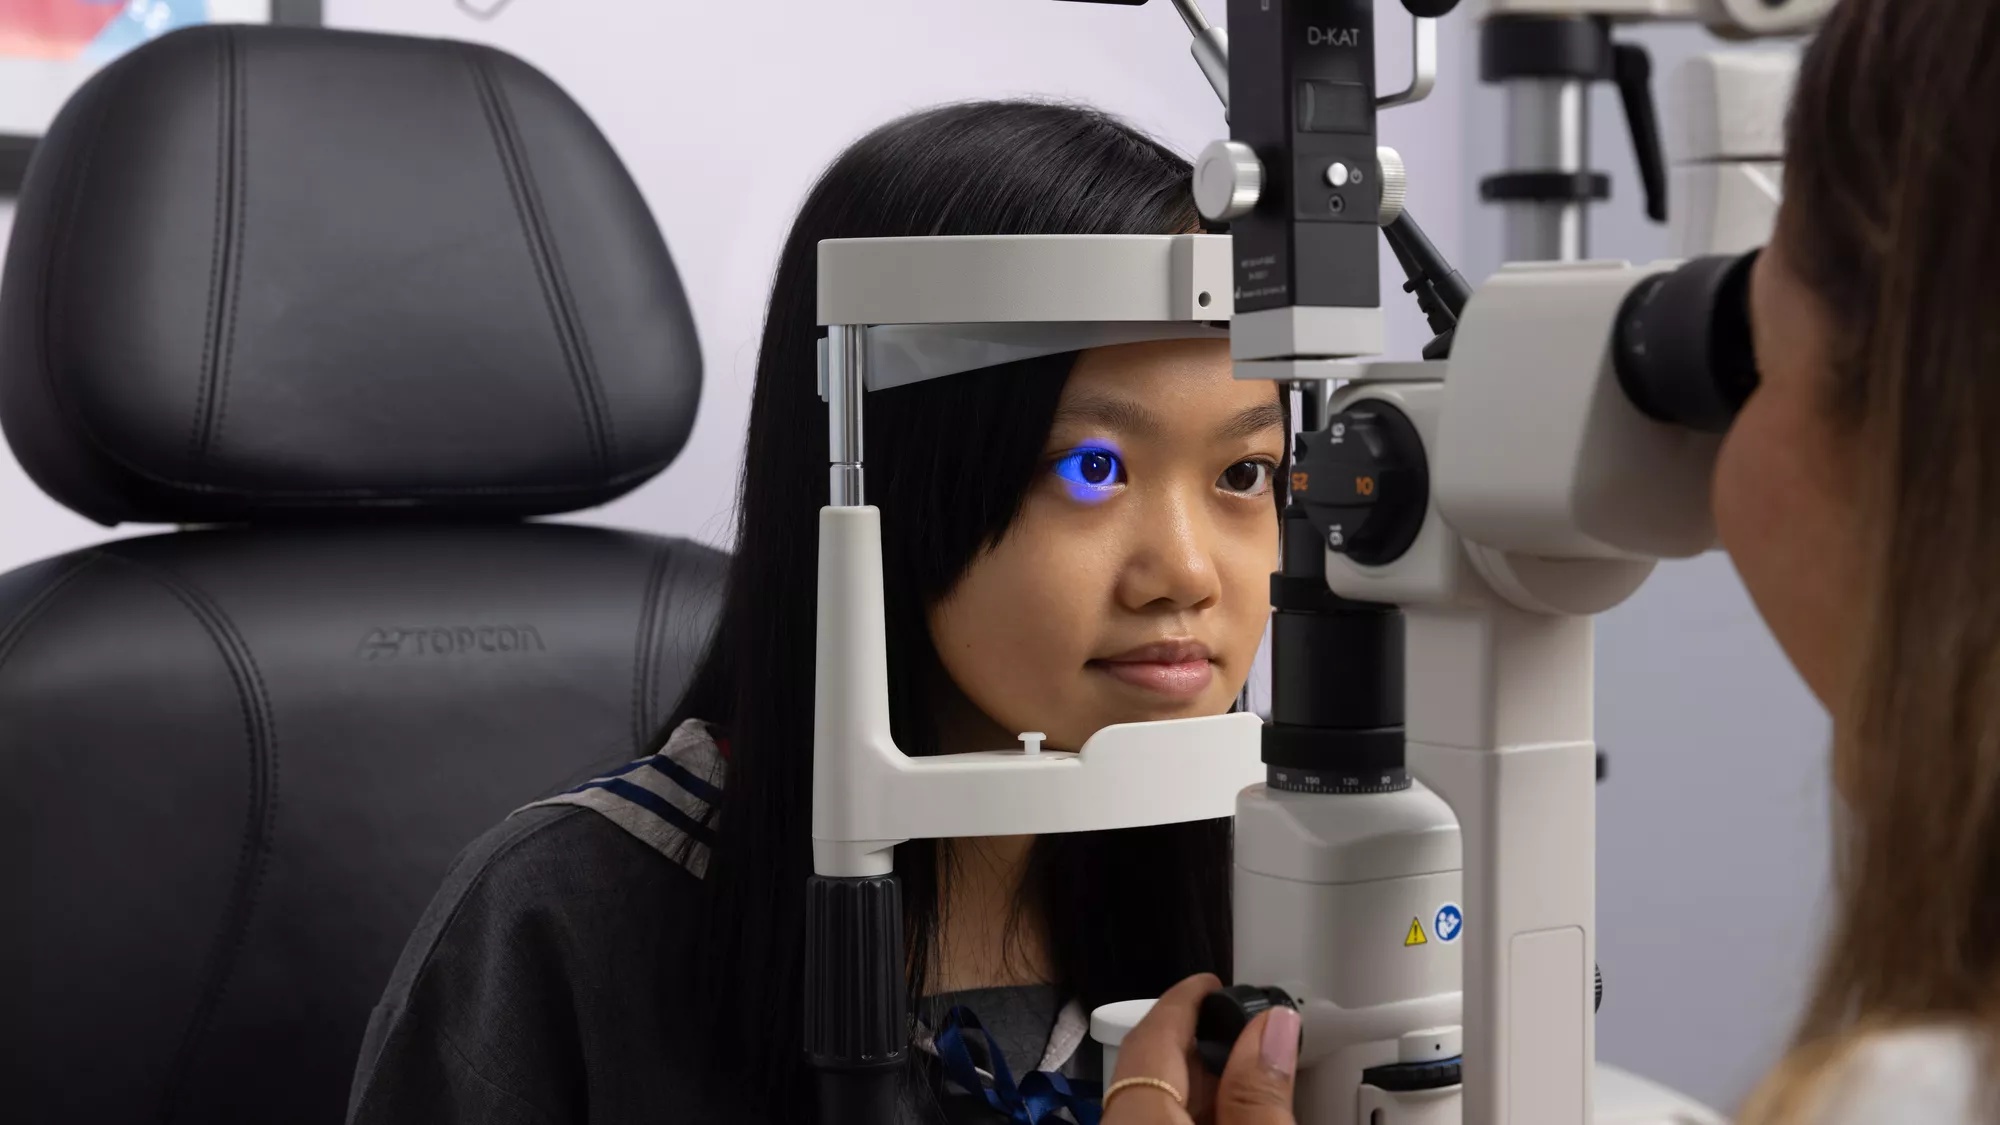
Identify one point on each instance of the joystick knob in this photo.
(1225, 1013)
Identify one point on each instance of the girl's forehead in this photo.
(1163, 388)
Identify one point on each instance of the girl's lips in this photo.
(1180, 679)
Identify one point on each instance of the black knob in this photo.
(1683, 349)
(1632, 71)
(1225, 1013)
(854, 995)
(1403, 1078)
(1364, 483)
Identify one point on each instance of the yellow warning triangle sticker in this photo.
(1416, 934)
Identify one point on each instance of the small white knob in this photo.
(1031, 742)
(1228, 178)
(1336, 174)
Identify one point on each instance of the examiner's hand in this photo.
(1255, 1088)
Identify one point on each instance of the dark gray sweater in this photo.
(544, 984)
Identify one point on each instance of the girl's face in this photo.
(1135, 583)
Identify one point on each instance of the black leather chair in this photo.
(350, 309)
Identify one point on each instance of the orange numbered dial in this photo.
(1363, 483)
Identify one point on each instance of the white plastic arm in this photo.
(1500, 725)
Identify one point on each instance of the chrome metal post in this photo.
(846, 387)
(1548, 130)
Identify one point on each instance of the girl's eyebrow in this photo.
(1120, 415)
(1251, 422)
(1124, 416)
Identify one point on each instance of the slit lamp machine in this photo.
(1415, 826)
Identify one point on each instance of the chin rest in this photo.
(355, 305)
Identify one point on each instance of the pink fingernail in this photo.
(1281, 1041)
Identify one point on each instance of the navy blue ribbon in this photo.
(1039, 1097)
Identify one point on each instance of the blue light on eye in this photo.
(1090, 473)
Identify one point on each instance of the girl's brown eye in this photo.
(1247, 478)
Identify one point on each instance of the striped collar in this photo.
(668, 800)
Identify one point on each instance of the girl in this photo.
(1068, 543)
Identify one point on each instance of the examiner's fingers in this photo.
(1256, 1086)
(1161, 1047)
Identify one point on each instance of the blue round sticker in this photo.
(1448, 923)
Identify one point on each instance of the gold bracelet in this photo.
(1124, 1084)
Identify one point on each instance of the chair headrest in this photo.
(284, 273)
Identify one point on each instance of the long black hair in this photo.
(949, 462)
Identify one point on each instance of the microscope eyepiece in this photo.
(1682, 344)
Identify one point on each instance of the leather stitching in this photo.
(688, 621)
(239, 190)
(571, 323)
(197, 423)
(531, 227)
(71, 185)
(39, 604)
(643, 671)
(223, 259)
(260, 731)
(669, 580)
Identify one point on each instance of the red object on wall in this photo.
(53, 29)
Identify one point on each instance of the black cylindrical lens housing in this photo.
(1334, 663)
(1682, 346)
(1338, 668)
(1336, 679)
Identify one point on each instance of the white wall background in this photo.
(1712, 829)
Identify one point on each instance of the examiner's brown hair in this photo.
(1892, 218)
